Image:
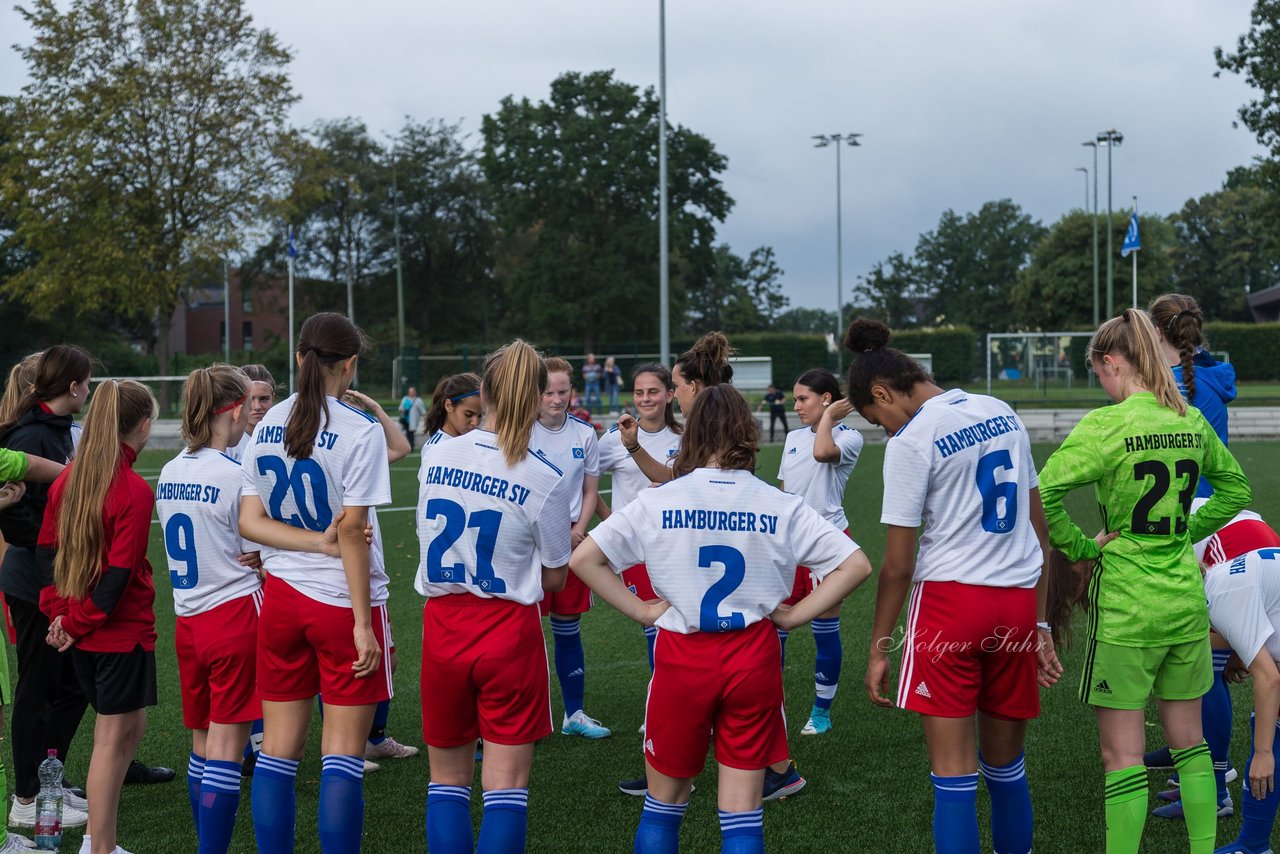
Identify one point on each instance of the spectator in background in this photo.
(591, 383)
(412, 410)
(612, 382)
(776, 400)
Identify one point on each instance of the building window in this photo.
(247, 332)
(246, 298)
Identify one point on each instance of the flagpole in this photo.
(292, 360)
(1135, 260)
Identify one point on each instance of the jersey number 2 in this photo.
(735, 569)
(180, 543)
(455, 524)
(992, 490)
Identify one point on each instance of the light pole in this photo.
(1096, 318)
(822, 141)
(664, 248)
(1110, 138)
(1086, 186)
(395, 208)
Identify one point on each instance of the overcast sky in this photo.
(960, 103)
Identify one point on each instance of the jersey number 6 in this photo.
(992, 490)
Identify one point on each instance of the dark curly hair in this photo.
(875, 361)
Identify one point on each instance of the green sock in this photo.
(1199, 796)
(1126, 809)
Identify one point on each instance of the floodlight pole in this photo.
(395, 207)
(1085, 170)
(1097, 320)
(822, 141)
(664, 248)
(1111, 138)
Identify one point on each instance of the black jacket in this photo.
(42, 434)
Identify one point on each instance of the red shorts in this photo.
(217, 663)
(806, 582)
(726, 683)
(637, 580)
(305, 648)
(575, 598)
(969, 648)
(484, 672)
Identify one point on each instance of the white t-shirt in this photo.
(486, 528)
(963, 467)
(722, 546)
(821, 485)
(237, 452)
(1228, 541)
(1244, 602)
(628, 480)
(198, 501)
(572, 449)
(347, 468)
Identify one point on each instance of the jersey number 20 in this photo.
(296, 480)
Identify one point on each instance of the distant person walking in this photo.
(612, 383)
(777, 401)
(591, 374)
(412, 411)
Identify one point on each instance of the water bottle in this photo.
(49, 804)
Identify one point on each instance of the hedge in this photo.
(1254, 348)
(954, 350)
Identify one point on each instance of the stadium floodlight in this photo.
(1096, 293)
(1110, 138)
(822, 141)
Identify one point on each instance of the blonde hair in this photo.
(207, 391)
(1132, 336)
(116, 411)
(514, 379)
(22, 377)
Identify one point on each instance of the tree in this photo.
(807, 320)
(740, 296)
(146, 140)
(888, 288)
(1257, 57)
(574, 183)
(968, 265)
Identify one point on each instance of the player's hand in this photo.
(1262, 773)
(1236, 671)
(329, 538)
(629, 429)
(576, 537)
(653, 610)
(877, 679)
(782, 619)
(1104, 537)
(358, 398)
(253, 560)
(839, 410)
(11, 493)
(1048, 667)
(368, 653)
(58, 637)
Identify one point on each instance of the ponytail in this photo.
(660, 371)
(56, 369)
(1132, 336)
(22, 378)
(1180, 320)
(875, 362)
(707, 361)
(116, 411)
(514, 379)
(326, 340)
(453, 389)
(209, 392)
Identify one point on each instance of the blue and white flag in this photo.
(1132, 242)
(292, 249)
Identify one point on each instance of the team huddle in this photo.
(280, 586)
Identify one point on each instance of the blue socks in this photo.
(742, 832)
(449, 819)
(341, 803)
(571, 664)
(1259, 816)
(219, 800)
(195, 772)
(1215, 718)
(378, 732)
(650, 638)
(955, 814)
(506, 821)
(1011, 818)
(782, 642)
(826, 665)
(273, 804)
(659, 830)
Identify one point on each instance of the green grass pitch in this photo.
(868, 785)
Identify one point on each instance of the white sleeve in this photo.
(619, 537)
(816, 543)
(366, 480)
(248, 470)
(906, 485)
(551, 527)
(850, 443)
(611, 451)
(1027, 459)
(592, 447)
(1237, 614)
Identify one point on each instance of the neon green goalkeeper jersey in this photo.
(13, 465)
(1144, 461)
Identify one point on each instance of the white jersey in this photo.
(486, 528)
(347, 468)
(1233, 538)
(237, 452)
(1244, 602)
(573, 450)
(821, 485)
(963, 467)
(198, 501)
(722, 546)
(628, 480)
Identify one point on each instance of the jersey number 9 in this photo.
(180, 543)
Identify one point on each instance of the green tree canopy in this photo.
(1257, 57)
(742, 295)
(146, 140)
(888, 289)
(574, 183)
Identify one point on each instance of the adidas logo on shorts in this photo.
(923, 691)
(1102, 687)
(648, 745)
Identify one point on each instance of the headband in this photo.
(463, 396)
(230, 406)
(323, 355)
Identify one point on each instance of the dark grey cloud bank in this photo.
(960, 102)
